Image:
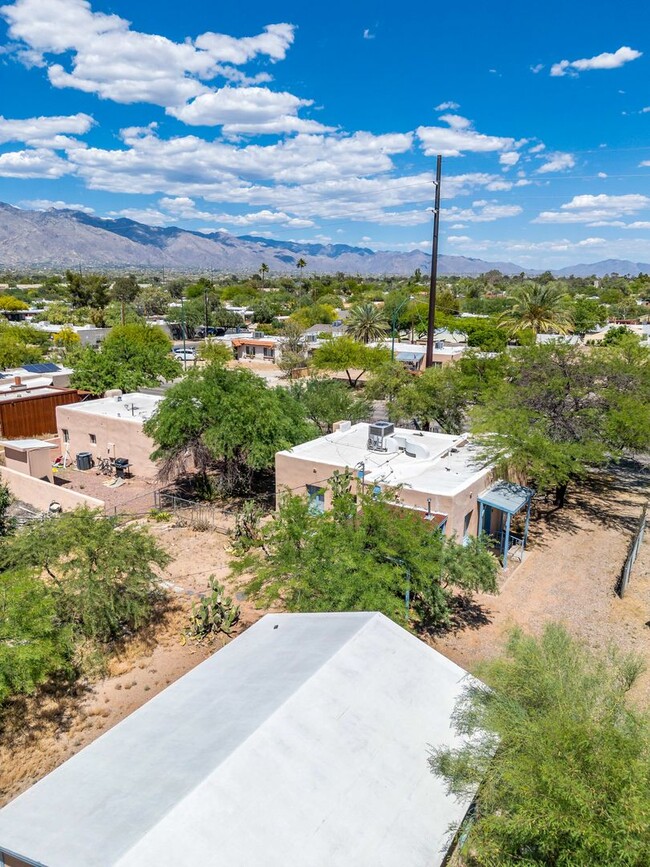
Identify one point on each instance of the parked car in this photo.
(181, 354)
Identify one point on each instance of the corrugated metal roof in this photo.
(506, 496)
(303, 742)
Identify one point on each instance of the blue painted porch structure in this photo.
(508, 498)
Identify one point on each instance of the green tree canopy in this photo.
(484, 334)
(131, 356)
(33, 643)
(587, 315)
(102, 576)
(153, 300)
(326, 401)
(559, 411)
(364, 554)
(387, 381)
(87, 290)
(229, 420)
(20, 344)
(346, 354)
(437, 395)
(560, 760)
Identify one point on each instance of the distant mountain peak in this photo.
(56, 239)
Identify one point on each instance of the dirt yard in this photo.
(47, 733)
(569, 574)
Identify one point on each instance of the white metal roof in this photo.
(452, 461)
(303, 743)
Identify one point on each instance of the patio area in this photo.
(135, 495)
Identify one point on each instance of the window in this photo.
(93, 439)
(316, 496)
(467, 522)
(269, 352)
(250, 352)
(66, 435)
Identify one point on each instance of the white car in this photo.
(184, 354)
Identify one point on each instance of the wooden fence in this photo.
(33, 414)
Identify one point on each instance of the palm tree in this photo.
(367, 323)
(264, 269)
(300, 264)
(540, 309)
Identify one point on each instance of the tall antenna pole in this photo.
(431, 325)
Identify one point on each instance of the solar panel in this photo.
(43, 367)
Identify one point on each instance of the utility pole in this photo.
(184, 335)
(205, 310)
(434, 267)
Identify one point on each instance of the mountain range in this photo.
(59, 239)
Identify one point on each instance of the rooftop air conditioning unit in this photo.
(377, 435)
(439, 344)
(258, 335)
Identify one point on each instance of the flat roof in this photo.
(418, 347)
(27, 444)
(28, 390)
(451, 462)
(302, 742)
(135, 406)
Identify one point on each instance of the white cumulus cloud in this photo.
(58, 205)
(458, 138)
(556, 162)
(606, 60)
(33, 163)
(600, 209)
(100, 53)
(35, 130)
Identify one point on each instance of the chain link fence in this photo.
(199, 516)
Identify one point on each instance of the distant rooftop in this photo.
(135, 406)
(420, 348)
(31, 370)
(447, 463)
(35, 388)
(303, 742)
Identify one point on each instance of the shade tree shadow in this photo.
(464, 613)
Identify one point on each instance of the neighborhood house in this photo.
(438, 475)
(109, 428)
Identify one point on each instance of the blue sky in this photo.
(322, 121)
